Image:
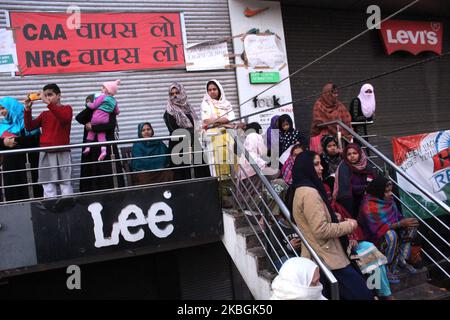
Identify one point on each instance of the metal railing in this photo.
(118, 169)
(420, 188)
(252, 199)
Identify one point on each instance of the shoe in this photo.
(102, 156)
(393, 279)
(87, 150)
(404, 265)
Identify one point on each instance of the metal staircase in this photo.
(259, 239)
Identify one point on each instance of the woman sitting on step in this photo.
(385, 226)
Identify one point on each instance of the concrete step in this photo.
(423, 291)
(267, 274)
(251, 240)
(263, 261)
(241, 219)
(408, 280)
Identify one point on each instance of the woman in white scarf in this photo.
(298, 279)
(367, 98)
(217, 112)
(362, 108)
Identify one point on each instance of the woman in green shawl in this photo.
(151, 150)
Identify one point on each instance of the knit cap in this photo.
(111, 86)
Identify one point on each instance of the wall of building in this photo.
(408, 102)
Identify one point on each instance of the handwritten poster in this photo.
(207, 57)
(8, 58)
(263, 51)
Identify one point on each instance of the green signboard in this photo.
(264, 77)
(6, 59)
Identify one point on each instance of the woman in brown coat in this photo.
(323, 231)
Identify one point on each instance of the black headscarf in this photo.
(377, 187)
(304, 175)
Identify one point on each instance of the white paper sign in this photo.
(8, 56)
(263, 51)
(206, 57)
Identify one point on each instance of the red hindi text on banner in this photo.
(102, 42)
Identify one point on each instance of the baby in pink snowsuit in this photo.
(103, 106)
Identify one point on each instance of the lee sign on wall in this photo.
(412, 36)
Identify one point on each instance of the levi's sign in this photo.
(412, 36)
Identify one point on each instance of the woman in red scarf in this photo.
(385, 226)
(328, 108)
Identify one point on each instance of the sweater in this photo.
(55, 124)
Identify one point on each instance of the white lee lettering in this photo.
(100, 241)
(153, 219)
(126, 223)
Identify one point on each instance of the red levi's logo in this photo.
(412, 36)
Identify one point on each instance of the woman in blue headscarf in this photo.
(14, 135)
(150, 149)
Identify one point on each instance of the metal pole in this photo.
(191, 162)
(285, 211)
(29, 177)
(393, 165)
(113, 168)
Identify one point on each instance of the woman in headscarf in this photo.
(363, 107)
(351, 179)
(249, 184)
(149, 149)
(288, 134)
(90, 166)
(328, 108)
(14, 135)
(216, 113)
(181, 118)
(298, 279)
(385, 226)
(330, 158)
(272, 132)
(320, 226)
(286, 170)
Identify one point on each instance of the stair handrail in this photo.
(388, 161)
(334, 286)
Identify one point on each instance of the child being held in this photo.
(103, 106)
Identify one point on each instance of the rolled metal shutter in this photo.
(409, 102)
(143, 94)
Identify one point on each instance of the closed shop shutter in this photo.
(205, 276)
(408, 102)
(143, 94)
